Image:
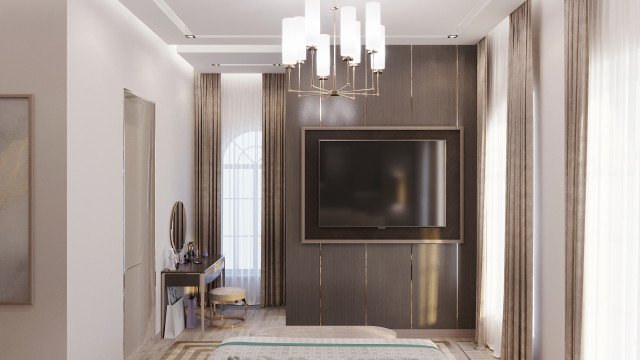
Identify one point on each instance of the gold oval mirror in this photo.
(177, 228)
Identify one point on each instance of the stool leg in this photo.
(245, 310)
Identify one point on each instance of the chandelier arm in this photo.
(359, 93)
(362, 90)
(347, 95)
(314, 95)
(319, 88)
(302, 92)
(343, 87)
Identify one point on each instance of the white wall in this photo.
(549, 231)
(33, 61)
(110, 49)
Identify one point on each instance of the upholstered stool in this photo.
(227, 295)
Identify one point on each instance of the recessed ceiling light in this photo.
(453, 36)
(190, 36)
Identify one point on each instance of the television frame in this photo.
(303, 236)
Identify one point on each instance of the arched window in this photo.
(241, 147)
(242, 202)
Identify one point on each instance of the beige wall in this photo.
(33, 61)
(549, 212)
(110, 49)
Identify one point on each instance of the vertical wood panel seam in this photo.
(411, 258)
(458, 245)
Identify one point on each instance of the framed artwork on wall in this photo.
(16, 122)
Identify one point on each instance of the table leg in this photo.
(163, 303)
(203, 289)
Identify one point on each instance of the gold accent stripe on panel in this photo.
(411, 289)
(366, 284)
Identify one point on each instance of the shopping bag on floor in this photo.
(174, 323)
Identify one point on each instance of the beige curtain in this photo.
(207, 214)
(517, 335)
(482, 95)
(577, 85)
(273, 186)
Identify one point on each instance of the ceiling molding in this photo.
(472, 15)
(229, 49)
(171, 15)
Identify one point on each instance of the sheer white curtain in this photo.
(611, 316)
(495, 184)
(241, 145)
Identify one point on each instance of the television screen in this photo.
(382, 183)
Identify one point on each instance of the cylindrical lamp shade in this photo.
(372, 25)
(299, 34)
(357, 42)
(378, 61)
(347, 39)
(323, 56)
(288, 46)
(312, 18)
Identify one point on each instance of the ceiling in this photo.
(244, 35)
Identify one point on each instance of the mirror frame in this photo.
(177, 227)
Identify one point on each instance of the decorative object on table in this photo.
(192, 251)
(170, 260)
(16, 121)
(177, 227)
(301, 34)
(205, 254)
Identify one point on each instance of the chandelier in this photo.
(301, 39)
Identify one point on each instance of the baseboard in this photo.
(436, 333)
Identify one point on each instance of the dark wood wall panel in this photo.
(434, 269)
(343, 284)
(393, 106)
(423, 86)
(389, 286)
(434, 85)
(467, 111)
(302, 262)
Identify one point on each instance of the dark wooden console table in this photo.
(192, 274)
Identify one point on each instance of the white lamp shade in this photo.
(357, 42)
(347, 24)
(299, 43)
(372, 25)
(378, 61)
(288, 46)
(323, 57)
(312, 18)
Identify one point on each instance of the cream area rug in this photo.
(453, 349)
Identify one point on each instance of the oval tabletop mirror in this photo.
(177, 227)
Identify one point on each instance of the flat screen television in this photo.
(382, 183)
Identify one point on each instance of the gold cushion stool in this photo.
(227, 295)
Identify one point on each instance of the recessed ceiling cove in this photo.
(247, 23)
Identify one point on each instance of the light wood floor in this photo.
(260, 318)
